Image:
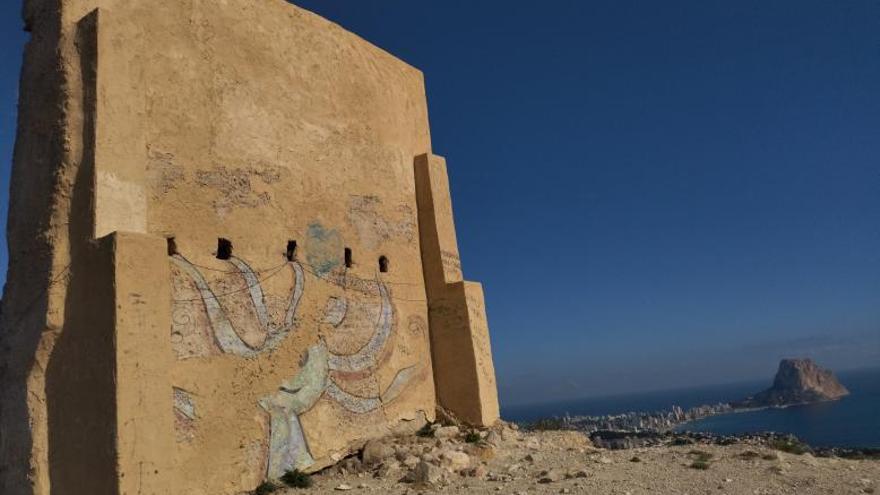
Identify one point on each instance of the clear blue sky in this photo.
(654, 194)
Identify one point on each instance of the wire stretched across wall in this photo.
(274, 271)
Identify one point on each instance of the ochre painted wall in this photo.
(175, 125)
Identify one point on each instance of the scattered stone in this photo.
(375, 452)
(446, 432)
(454, 460)
(563, 462)
(482, 451)
(503, 478)
(388, 469)
(510, 434)
(401, 453)
(351, 465)
(780, 468)
(424, 473)
(551, 476)
(479, 472)
(493, 438)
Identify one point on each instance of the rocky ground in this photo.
(508, 461)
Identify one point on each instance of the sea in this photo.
(853, 421)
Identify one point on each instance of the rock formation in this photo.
(507, 460)
(798, 381)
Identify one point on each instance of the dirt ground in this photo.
(511, 462)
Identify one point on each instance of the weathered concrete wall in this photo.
(107, 383)
(160, 128)
(144, 420)
(464, 373)
(50, 251)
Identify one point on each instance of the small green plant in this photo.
(266, 488)
(548, 424)
(297, 479)
(701, 454)
(789, 444)
(425, 431)
(702, 459)
(749, 455)
(472, 437)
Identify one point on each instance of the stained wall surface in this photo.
(464, 373)
(237, 169)
(289, 129)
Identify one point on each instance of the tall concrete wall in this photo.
(464, 373)
(202, 193)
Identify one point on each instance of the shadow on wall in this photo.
(82, 405)
(39, 146)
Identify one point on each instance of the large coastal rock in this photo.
(798, 381)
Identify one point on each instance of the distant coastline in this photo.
(637, 401)
(846, 423)
(641, 421)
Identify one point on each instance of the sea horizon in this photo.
(848, 422)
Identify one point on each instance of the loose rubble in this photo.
(507, 460)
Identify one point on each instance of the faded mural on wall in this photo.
(187, 372)
(231, 314)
